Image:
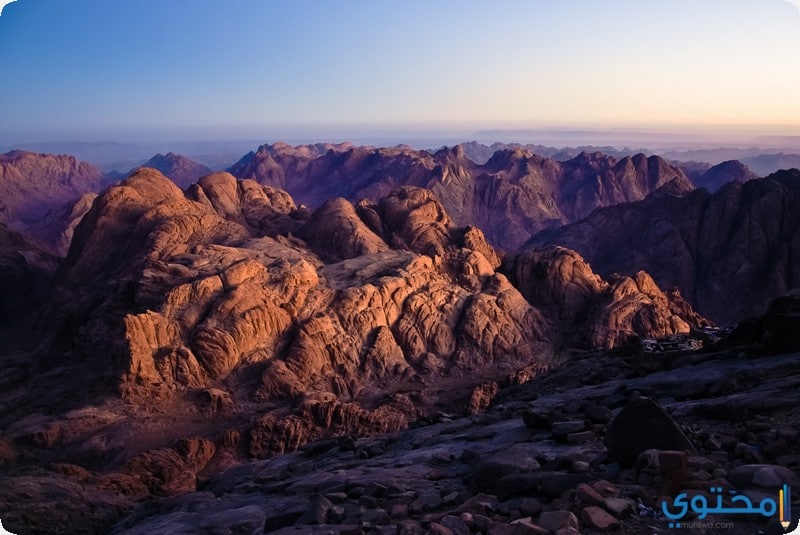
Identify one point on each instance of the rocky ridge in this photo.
(743, 237)
(514, 194)
(42, 196)
(594, 312)
(719, 175)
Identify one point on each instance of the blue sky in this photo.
(93, 68)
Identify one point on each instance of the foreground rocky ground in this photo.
(535, 462)
(558, 454)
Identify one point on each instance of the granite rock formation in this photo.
(494, 473)
(594, 312)
(222, 357)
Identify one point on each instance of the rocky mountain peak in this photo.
(178, 168)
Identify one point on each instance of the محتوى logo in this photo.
(785, 510)
(740, 504)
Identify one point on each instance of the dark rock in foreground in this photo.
(642, 425)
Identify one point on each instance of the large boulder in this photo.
(642, 425)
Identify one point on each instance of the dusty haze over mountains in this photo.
(409, 268)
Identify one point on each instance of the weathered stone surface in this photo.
(317, 512)
(580, 438)
(481, 396)
(336, 232)
(605, 313)
(606, 489)
(455, 525)
(491, 468)
(394, 468)
(619, 507)
(220, 287)
(588, 495)
(526, 526)
(214, 314)
(172, 470)
(566, 427)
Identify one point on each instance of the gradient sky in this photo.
(84, 68)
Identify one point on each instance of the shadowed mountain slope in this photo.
(730, 253)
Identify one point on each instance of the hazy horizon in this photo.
(122, 154)
(694, 72)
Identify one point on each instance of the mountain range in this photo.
(730, 253)
(158, 339)
(513, 195)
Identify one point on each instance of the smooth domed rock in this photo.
(337, 233)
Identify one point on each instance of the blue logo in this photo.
(740, 505)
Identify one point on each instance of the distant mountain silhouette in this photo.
(177, 168)
(32, 184)
(40, 195)
(722, 173)
(761, 161)
(764, 164)
(481, 153)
